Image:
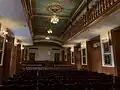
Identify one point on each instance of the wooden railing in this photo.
(100, 8)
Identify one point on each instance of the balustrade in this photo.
(97, 10)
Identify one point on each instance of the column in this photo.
(18, 58)
(68, 56)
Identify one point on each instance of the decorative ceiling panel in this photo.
(40, 13)
(68, 6)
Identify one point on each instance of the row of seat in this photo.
(61, 80)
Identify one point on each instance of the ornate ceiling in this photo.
(40, 12)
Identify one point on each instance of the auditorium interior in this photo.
(59, 44)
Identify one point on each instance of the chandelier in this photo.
(55, 8)
(54, 19)
(49, 31)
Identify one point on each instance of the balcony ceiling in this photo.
(40, 15)
(101, 28)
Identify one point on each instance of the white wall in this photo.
(45, 53)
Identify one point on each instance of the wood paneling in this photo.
(18, 58)
(12, 69)
(77, 54)
(6, 61)
(108, 70)
(68, 56)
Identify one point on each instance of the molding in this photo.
(48, 41)
(26, 12)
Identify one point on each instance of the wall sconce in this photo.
(6, 40)
(95, 45)
(72, 49)
(105, 38)
(49, 53)
(5, 32)
(16, 42)
(22, 47)
(83, 45)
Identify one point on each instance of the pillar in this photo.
(18, 58)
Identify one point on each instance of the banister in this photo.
(100, 8)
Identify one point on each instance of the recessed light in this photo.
(47, 38)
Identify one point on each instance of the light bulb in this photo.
(54, 19)
(47, 38)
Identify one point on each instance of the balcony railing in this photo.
(100, 8)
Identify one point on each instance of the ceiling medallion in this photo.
(55, 8)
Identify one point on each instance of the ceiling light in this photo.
(49, 31)
(47, 38)
(54, 19)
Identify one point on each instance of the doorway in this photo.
(94, 55)
(32, 57)
(57, 57)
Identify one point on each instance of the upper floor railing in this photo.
(100, 8)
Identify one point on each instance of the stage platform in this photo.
(40, 67)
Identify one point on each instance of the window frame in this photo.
(84, 56)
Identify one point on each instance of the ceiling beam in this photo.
(43, 40)
(49, 16)
(45, 27)
(76, 11)
(80, 8)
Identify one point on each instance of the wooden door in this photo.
(32, 56)
(57, 57)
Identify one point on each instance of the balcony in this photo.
(100, 9)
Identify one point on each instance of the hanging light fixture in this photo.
(55, 8)
(54, 19)
(49, 31)
(47, 38)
